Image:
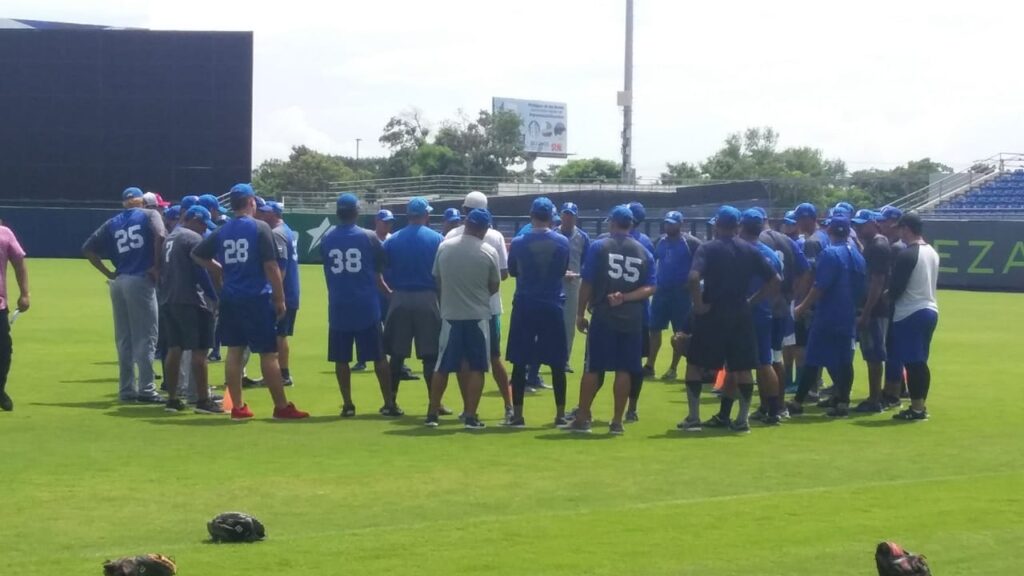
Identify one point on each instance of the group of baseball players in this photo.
(781, 304)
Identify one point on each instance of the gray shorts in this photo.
(412, 315)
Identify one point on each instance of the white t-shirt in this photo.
(495, 240)
(466, 267)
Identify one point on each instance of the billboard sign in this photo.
(542, 125)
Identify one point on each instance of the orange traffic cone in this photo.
(720, 380)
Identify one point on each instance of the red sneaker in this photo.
(289, 412)
(242, 413)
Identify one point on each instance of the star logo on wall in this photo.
(317, 234)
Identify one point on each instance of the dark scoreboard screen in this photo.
(85, 113)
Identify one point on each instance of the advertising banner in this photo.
(542, 126)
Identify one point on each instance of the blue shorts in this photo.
(783, 335)
(912, 336)
(464, 340)
(828, 349)
(670, 307)
(763, 332)
(249, 322)
(369, 345)
(286, 326)
(536, 335)
(609, 350)
(494, 327)
(872, 340)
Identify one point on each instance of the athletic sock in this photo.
(636, 384)
(558, 385)
(286, 373)
(518, 384)
(746, 395)
(429, 363)
(396, 376)
(693, 398)
(725, 407)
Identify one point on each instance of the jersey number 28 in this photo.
(350, 260)
(626, 267)
(236, 251)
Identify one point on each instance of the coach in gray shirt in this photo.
(579, 241)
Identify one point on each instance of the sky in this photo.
(876, 83)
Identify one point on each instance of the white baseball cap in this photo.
(475, 200)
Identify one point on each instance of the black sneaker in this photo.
(445, 411)
(176, 405)
(359, 367)
(473, 423)
(827, 391)
(569, 370)
(578, 427)
(407, 374)
(910, 415)
(740, 427)
(250, 383)
(890, 403)
(868, 407)
(794, 408)
(6, 404)
(571, 414)
(348, 411)
(561, 422)
(827, 403)
(632, 416)
(716, 421)
(432, 421)
(688, 425)
(213, 357)
(838, 411)
(392, 411)
(287, 382)
(772, 420)
(759, 415)
(515, 422)
(813, 396)
(616, 429)
(539, 384)
(648, 371)
(155, 399)
(208, 407)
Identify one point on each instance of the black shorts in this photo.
(186, 326)
(286, 325)
(724, 337)
(802, 330)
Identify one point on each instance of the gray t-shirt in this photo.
(182, 281)
(281, 241)
(578, 243)
(496, 240)
(466, 268)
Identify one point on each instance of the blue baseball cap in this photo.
(638, 211)
(188, 202)
(479, 217)
(261, 204)
(839, 223)
(452, 215)
(130, 193)
(348, 200)
(804, 210)
(674, 217)
(570, 208)
(241, 190)
(200, 213)
(385, 216)
(752, 216)
(542, 208)
(209, 201)
(418, 207)
(790, 217)
(173, 212)
(891, 213)
(761, 211)
(846, 206)
(840, 210)
(556, 219)
(863, 216)
(727, 216)
(273, 206)
(621, 215)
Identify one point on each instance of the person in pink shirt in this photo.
(10, 251)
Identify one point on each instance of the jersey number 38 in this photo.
(350, 260)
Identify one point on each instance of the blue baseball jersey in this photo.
(289, 264)
(673, 257)
(410, 254)
(839, 270)
(353, 257)
(242, 246)
(618, 264)
(538, 261)
(127, 240)
(764, 306)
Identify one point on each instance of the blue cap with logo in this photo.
(846, 207)
(638, 211)
(241, 190)
(209, 201)
(273, 206)
(452, 215)
(385, 215)
(805, 210)
(479, 217)
(188, 202)
(761, 211)
(727, 216)
(347, 201)
(674, 217)
(418, 207)
(261, 204)
(790, 217)
(621, 215)
(891, 213)
(752, 217)
(839, 223)
(570, 208)
(130, 193)
(863, 216)
(542, 208)
(200, 213)
(173, 212)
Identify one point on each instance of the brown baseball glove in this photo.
(147, 565)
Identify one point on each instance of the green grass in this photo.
(84, 479)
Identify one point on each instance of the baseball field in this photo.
(83, 479)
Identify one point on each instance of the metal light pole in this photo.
(358, 140)
(626, 101)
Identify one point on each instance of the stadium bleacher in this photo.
(1003, 195)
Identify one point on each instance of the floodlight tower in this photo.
(626, 101)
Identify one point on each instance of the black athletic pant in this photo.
(6, 349)
(558, 384)
(396, 364)
(919, 379)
